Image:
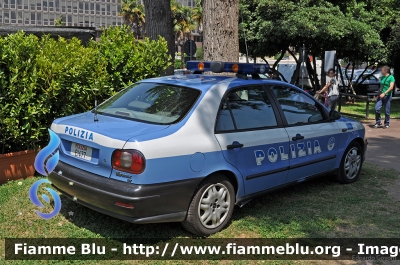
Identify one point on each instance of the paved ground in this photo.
(384, 144)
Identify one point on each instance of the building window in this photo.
(69, 7)
(13, 17)
(75, 7)
(92, 8)
(38, 7)
(57, 5)
(198, 38)
(45, 5)
(81, 8)
(39, 20)
(51, 19)
(19, 4)
(33, 19)
(19, 17)
(27, 17)
(103, 9)
(6, 17)
(5, 3)
(26, 4)
(75, 21)
(45, 19)
(51, 5)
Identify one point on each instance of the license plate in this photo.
(81, 151)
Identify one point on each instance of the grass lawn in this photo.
(358, 108)
(319, 208)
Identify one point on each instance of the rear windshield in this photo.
(151, 102)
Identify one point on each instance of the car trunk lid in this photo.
(88, 145)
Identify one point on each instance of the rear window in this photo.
(151, 102)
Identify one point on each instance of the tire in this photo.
(216, 209)
(351, 164)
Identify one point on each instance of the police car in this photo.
(189, 148)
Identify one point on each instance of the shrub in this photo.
(130, 60)
(43, 79)
(178, 64)
(18, 94)
(199, 54)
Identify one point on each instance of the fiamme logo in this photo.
(45, 162)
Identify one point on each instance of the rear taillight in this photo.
(131, 161)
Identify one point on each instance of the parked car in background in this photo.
(369, 85)
(378, 73)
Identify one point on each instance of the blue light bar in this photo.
(228, 67)
(198, 66)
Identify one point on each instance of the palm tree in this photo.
(183, 22)
(197, 15)
(133, 14)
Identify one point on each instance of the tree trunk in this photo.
(296, 72)
(323, 74)
(220, 30)
(310, 72)
(159, 22)
(279, 59)
(316, 80)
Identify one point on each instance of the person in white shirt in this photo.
(332, 88)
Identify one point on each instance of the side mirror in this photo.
(334, 115)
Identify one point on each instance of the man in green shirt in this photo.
(384, 98)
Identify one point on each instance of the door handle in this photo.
(234, 145)
(298, 137)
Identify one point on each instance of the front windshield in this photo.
(151, 102)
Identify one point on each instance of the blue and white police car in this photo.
(189, 148)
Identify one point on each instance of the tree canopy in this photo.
(359, 31)
(349, 27)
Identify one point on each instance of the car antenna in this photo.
(95, 110)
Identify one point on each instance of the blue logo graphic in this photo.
(47, 159)
(331, 143)
(45, 162)
(35, 200)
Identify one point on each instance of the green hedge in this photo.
(42, 79)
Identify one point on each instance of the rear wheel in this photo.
(351, 164)
(211, 208)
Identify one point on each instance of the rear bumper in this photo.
(155, 203)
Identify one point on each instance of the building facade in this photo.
(77, 13)
(73, 13)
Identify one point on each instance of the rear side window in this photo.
(151, 102)
(299, 108)
(244, 109)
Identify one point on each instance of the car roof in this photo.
(205, 82)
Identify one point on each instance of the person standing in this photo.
(332, 90)
(384, 98)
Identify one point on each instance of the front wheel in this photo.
(211, 208)
(351, 164)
